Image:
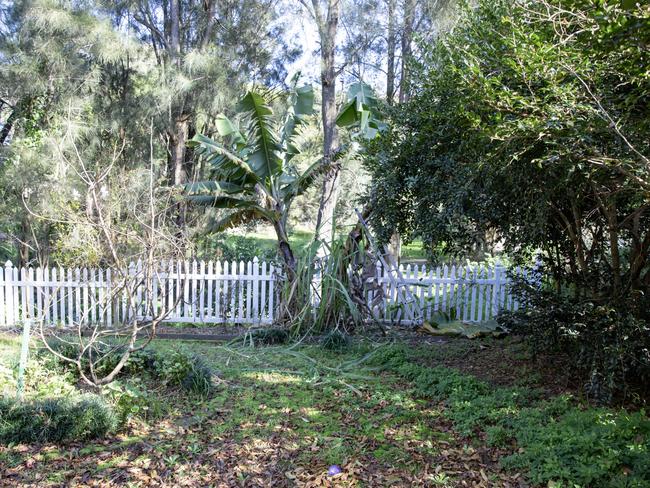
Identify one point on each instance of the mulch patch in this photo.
(507, 362)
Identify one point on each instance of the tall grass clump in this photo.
(326, 294)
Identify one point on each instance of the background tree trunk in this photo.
(329, 192)
(174, 24)
(407, 38)
(391, 45)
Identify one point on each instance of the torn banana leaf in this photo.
(463, 329)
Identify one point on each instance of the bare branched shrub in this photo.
(126, 223)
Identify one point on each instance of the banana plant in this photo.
(361, 111)
(251, 167)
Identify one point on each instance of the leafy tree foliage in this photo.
(530, 121)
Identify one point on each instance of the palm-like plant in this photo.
(252, 169)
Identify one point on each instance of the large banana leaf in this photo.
(264, 159)
(227, 166)
(302, 106)
(240, 217)
(227, 129)
(361, 109)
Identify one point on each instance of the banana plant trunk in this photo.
(285, 250)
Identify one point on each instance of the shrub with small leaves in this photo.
(73, 418)
(190, 372)
(175, 368)
(130, 400)
(609, 347)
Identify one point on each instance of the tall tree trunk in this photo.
(210, 8)
(179, 120)
(390, 53)
(174, 30)
(330, 189)
(177, 165)
(407, 39)
(23, 242)
(178, 142)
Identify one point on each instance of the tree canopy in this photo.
(528, 129)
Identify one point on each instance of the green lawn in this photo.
(279, 417)
(389, 416)
(263, 242)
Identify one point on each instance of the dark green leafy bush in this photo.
(610, 347)
(63, 419)
(185, 370)
(553, 439)
(174, 368)
(130, 400)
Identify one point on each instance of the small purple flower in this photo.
(334, 470)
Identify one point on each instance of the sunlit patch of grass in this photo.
(271, 377)
(112, 462)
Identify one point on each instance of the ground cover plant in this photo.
(282, 415)
(58, 406)
(553, 440)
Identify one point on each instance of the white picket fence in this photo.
(471, 293)
(238, 293)
(213, 292)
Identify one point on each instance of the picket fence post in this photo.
(9, 294)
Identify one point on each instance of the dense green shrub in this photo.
(106, 356)
(552, 438)
(529, 125)
(130, 400)
(609, 346)
(72, 418)
(176, 368)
